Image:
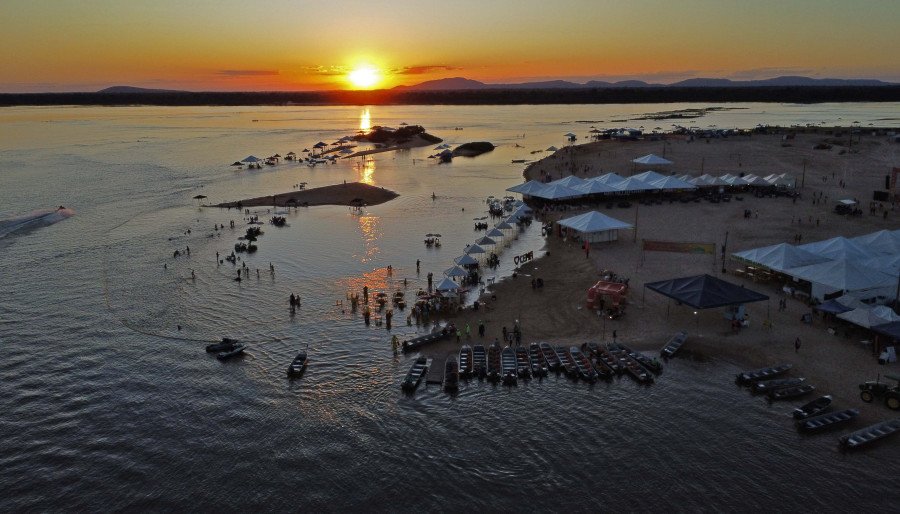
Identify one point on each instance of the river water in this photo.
(108, 405)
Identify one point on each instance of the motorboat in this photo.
(493, 362)
(523, 363)
(765, 386)
(825, 421)
(791, 392)
(583, 364)
(236, 350)
(539, 366)
(870, 434)
(674, 344)
(479, 361)
(508, 366)
(415, 374)
(748, 377)
(818, 406)
(465, 360)
(298, 366)
(552, 360)
(451, 374)
(224, 346)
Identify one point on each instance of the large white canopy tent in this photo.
(673, 184)
(652, 160)
(634, 185)
(595, 227)
(884, 242)
(456, 271)
(843, 275)
(570, 181)
(593, 187)
(557, 192)
(446, 285)
(528, 188)
(780, 257)
(868, 316)
(838, 248)
(609, 178)
(649, 176)
(465, 260)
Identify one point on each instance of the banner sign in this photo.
(650, 245)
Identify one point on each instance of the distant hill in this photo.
(136, 90)
(461, 83)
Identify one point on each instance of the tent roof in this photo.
(609, 178)
(649, 176)
(446, 285)
(557, 192)
(570, 181)
(891, 330)
(838, 248)
(869, 316)
(474, 249)
(465, 260)
(756, 181)
(634, 184)
(456, 271)
(593, 187)
(889, 264)
(593, 221)
(833, 306)
(530, 187)
(780, 257)
(705, 291)
(882, 242)
(673, 183)
(652, 160)
(494, 232)
(843, 274)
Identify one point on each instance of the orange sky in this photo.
(70, 45)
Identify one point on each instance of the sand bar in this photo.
(350, 193)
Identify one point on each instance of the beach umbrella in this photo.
(504, 226)
(495, 232)
(485, 241)
(465, 260)
(652, 160)
(251, 158)
(346, 151)
(306, 150)
(552, 149)
(277, 156)
(456, 271)
(446, 285)
(437, 235)
(474, 249)
(429, 235)
(199, 197)
(237, 163)
(570, 135)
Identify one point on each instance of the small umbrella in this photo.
(552, 149)
(474, 249)
(429, 235)
(277, 156)
(251, 158)
(465, 260)
(437, 235)
(306, 150)
(237, 163)
(570, 135)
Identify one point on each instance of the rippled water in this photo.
(107, 405)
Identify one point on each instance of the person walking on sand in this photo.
(468, 331)
(480, 328)
(797, 345)
(458, 335)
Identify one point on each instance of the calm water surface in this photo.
(107, 405)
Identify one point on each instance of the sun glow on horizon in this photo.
(364, 77)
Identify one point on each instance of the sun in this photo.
(364, 77)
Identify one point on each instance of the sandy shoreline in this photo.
(350, 193)
(414, 142)
(835, 364)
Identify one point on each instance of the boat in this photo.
(508, 366)
(870, 434)
(631, 366)
(435, 335)
(226, 345)
(604, 354)
(652, 365)
(603, 369)
(766, 386)
(451, 374)
(539, 366)
(748, 377)
(585, 368)
(818, 406)
(416, 372)
(550, 357)
(829, 420)
(523, 363)
(567, 362)
(479, 361)
(298, 366)
(674, 344)
(791, 392)
(493, 362)
(465, 360)
(236, 350)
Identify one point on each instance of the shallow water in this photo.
(109, 406)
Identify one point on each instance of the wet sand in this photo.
(349, 193)
(835, 364)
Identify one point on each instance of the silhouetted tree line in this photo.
(809, 94)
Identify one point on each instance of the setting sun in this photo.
(364, 77)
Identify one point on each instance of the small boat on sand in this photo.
(603, 354)
(583, 364)
(523, 363)
(786, 393)
(416, 372)
(818, 406)
(298, 366)
(568, 363)
(493, 362)
(652, 365)
(550, 357)
(479, 361)
(748, 377)
(226, 345)
(539, 366)
(465, 360)
(603, 369)
(508, 366)
(451, 374)
(236, 350)
(870, 434)
(832, 419)
(766, 386)
(674, 344)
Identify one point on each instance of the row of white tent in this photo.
(611, 183)
(867, 265)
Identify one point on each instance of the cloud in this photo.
(248, 73)
(421, 70)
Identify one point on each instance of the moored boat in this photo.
(539, 366)
(785, 393)
(870, 434)
(567, 362)
(603, 369)
(236, 350)
(523, 364)
(607, 357)
(748, 377)
(298, 366)
(493, 362)
(465, 360)
(650, 364)
(583, 364)
(224, 346)
(415, 374)
(508, 366)
(550, 357)
(765, 386)
(818, 406)
(479, 361)
(451, 374)
(674, 344)
(829, 420)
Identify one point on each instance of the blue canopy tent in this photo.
(705, 292)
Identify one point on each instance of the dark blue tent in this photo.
(705, 292)
(833, 306)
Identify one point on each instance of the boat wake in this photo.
(33, 220)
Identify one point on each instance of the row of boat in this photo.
(815, 416)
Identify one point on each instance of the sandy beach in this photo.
(350, 193)
(557, 314)
(413, 142)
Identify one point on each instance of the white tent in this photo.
(839, 248)
(737, 181)
(456, 271)
(889, 264)
(632, 185)
(595, 226)
(883, 242)
(446, 285)
(780, 257)
(557, 192)
(528, 188)
(570, 181)
(870, 316)
(652, 160)
(649, 176)
(756, 181)
(842, 275)
(523, 211)
(610, 178)
(673, 183)
(593, 187)
(686, 177)
(465, 260)
(703, 180)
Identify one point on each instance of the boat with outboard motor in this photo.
(785, 393)
(765, 386)
(583, 364)
(508, 366)
(227, 344)
(824, 421)
(539, 366)
(479, 361)
(818, 406)
(550, 356)
(415, 374)
(523, 364)
(298, 366)
(748, 377)
(465, 361)
(451, 374)
(870, 434)
(674, 344)
(493, 362)
(233, 352)
(567, 362)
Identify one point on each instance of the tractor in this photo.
(871, 390)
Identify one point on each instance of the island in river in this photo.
(354, 194)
